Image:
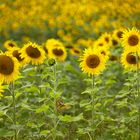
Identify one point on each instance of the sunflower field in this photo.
(69, 70)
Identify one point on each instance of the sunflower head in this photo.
(33, 53)
(9, 68)
(106, 37)
(10, 44)
(50, 43)
(57, 52)
(16, 52)
(92, 62)
(105, 52)
(131, 39)
(118, 34)
(130, 60)
(75, 51)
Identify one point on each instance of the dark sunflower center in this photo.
(76, 51)
(131, 59)
(93, 61)
(58, 52)
(11, 44)
(112, 58)
(103, 52)
(114, 42)
(119, 34)
(69, 46)
(133, 40)
(45, 49)
(6, 65)
(17, 55)
(33, 52)
(100, 44)
(107, 39)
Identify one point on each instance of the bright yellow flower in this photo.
(16, 52)
(9, 68)
(92, 62)
(10, 44)
(131, 39)
(33, 53)
(57, 52)
(130, 60)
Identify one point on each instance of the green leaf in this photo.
(6, 133)
(42, 108)
(69, 118)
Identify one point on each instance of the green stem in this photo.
(92, 102)
(54, 101)
(138, 93)
(14, 111)
(92, 98)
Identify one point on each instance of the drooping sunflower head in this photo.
(130, 60)
(33, 53)
(9, 68)
(10, 44)
(75, 51)
(131, 39)
(57, 52)
(92, 62)
(16, 52)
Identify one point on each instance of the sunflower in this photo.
(33, 53)
(100, 43)
(92, 62)
(105, 52)
(57, 52)
(114, 42)
(10, 44)
(118, 34)
(75, 51)
(50, 43)
(16, 52)
(131, 39)
(129, 60)
(106, 37)
(9, 68)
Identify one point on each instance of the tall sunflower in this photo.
(57, 52)
(131, 39)
(10, 44)
(118, 34)
(33, 53)
(50, 43)
(75, 51)
(129, 60)
(105, 52)
(16, 52)
(9, 68)
(106, 37)
(92, 62)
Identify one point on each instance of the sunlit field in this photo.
(69, 69)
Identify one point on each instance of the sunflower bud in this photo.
(51, 62)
